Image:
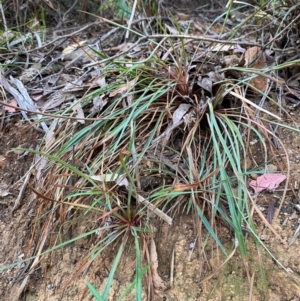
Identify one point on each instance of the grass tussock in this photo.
(169, 132)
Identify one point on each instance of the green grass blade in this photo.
(112, 273)
(138, 272)
(94, 292)
(209, 229)
(131, 285)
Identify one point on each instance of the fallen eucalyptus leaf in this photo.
(268, 181)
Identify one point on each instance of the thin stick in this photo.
(155, 210)
(254, 105)
(251, 287)
(172, 268)
(21, 193)
(131, 19)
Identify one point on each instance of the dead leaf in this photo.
(177, 119)
(255, 58)
(215, 77)
(205, 83)
(50, 139)
(157, 281)
(126, 46)
(222, 47)
(80, 114)
(50, 136)
(75, 85)
(14, 103)
(182, 17)
(251, 55)
(3, 191)
(99, 103)
(230, 60)
(172, 30)
(101, 81)
(72, 47)
(268, 181)
(38, 97)
(40, 165)
(54, 101)
(123, 88)
(239, 49)
(183, 187)
(180, 112)
(3, 161)
(119, 179)
(30, 73)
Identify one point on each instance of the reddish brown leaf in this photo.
(268, 181)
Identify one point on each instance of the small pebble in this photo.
(271, 168)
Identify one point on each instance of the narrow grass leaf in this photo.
(94, 292)
(209, 229)
(112, 272)
(138, 271)
(131, 285)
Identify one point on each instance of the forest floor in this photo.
(276, 280)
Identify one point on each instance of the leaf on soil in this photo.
(30, 73)
(157, 281)
(80, 114)
(126, 46)
(73, 47)
(239, 49)
(50, 136)
(223, 48)
(54, 101)
(216, 77)
(13, 102)
(4, 192)
(230, 60)
(255, 58)
(172, 30)
(39, 167)
(268, 181)
(205, 83)
(98, 103)
(180, 112)
(3, 161)
(119, 179)
(101, 81)
(123, 88)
